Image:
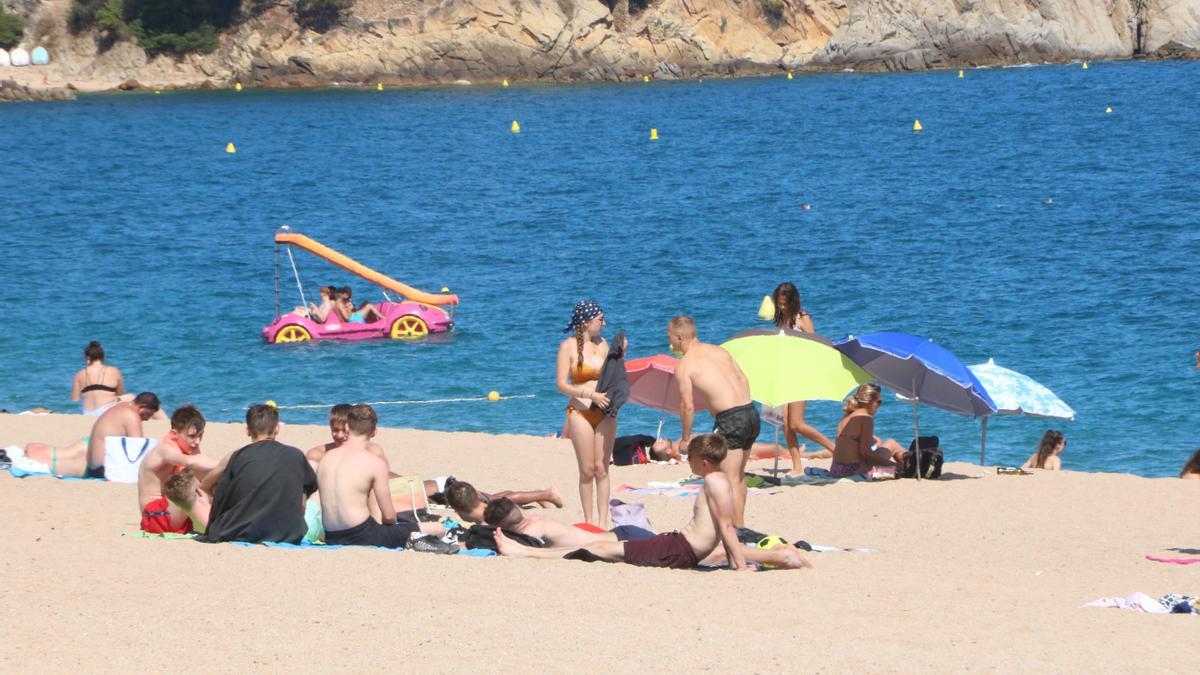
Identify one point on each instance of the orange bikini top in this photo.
(583, 373)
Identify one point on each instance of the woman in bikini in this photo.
(1191, 470)
(580, 358)
(857, 448)
(789, 314)
(98, 385)
(1047, 455)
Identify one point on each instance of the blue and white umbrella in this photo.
(1017, 394)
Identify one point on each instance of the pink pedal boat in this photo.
(416, 315)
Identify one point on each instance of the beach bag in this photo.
(931, 459)
(629, 513)
(123, 457)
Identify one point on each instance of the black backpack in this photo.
(931, 459)
(484, 536)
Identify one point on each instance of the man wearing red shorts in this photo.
(711, 524)
(180, 449)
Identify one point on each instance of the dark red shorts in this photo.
(664, 550)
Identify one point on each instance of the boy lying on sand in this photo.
(502, 512)
(711, 524)
(470, 503)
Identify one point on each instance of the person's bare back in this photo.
(556, 533)
(713, 372)
(123, 419)
(346, 477)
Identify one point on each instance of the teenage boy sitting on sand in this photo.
(179, 449)
(259, 490)
(711, 525)
(349, 476)
(469, 503)
(187, 502)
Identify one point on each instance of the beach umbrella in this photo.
(652, 384)
(920, 370)
(1017, 394)
(784, 366)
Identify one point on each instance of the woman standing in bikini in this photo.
(99, 385)
(789, 314)
(580, 358)
(858, 448)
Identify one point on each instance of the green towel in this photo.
(165, 535)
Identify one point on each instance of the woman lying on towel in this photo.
(1047, 455)
(857, 448)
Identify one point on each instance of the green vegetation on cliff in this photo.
(11, 29)
(183, 26)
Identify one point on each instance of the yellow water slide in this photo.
(350, 265)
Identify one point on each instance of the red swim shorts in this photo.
(664, 550)
(156, 519)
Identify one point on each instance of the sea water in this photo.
(1024, 224)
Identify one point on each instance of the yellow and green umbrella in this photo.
(785, 366)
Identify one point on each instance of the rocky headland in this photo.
(448, 41)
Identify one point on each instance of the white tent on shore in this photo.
(19, 56)
(39, 56)
(4, 60)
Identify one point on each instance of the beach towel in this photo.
(1138, 601)
(123, 457)
(613, 380)
(1174, 561)
(23, 467)
(477, 553)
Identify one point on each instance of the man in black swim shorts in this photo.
(707, 372)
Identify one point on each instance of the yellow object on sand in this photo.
(493, 396)
(766, 311)
(350, 265)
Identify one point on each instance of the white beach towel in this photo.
(19, 461)
(123, 457)
(1139, 601)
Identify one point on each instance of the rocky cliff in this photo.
(443, 41)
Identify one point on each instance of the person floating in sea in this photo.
(713, 372)
(580, 360)
(179, 450)
(710, 536)
(1048, 452)
(790, 315)
(857, 448)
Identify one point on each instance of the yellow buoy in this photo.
(230, 149)
(917, 125)
(789, 74)
(378, 86)
(445, 290)
(516, 128)
(493, 396)
(237, 86)
(271, 403)
(504, 83)
(766, 311)
(1085, 65)
(645, 78)
(960, 73)
(157, 92)
(1108, 109)
(654, 134)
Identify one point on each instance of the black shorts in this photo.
(96, 472)
(739, 426)
(371, 533)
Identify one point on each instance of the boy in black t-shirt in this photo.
(259, 491)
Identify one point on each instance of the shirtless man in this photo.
(711, 526)
(347, 478)
(503, 513)
(713, 372)
(179, 449)
(470, 503)
(85, 457)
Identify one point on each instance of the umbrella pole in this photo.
(917, 439)
(776, 472)
(983, 440)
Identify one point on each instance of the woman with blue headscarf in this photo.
(580, 359)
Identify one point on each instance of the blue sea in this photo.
(124, 220)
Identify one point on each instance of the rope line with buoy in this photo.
(465, 399)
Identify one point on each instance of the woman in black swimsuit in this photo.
(98, 385)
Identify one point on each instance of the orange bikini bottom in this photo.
(593, 417)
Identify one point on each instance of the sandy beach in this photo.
(972, 572)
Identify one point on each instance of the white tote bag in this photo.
(123, 457)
